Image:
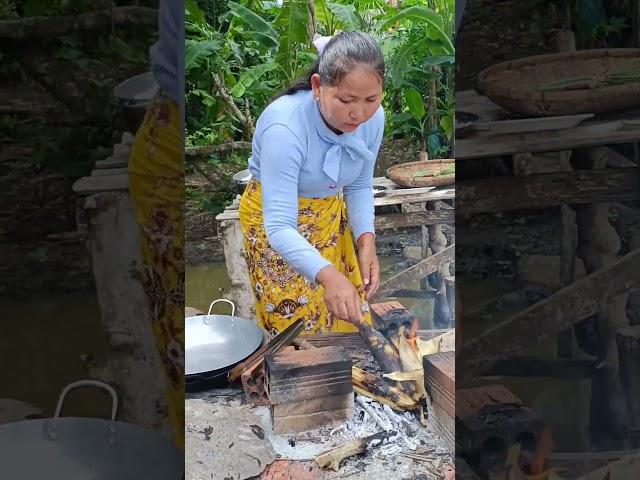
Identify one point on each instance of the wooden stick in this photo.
(221, 148)
(426, 267)
(274, 345)
(563, 308)
(332, 458)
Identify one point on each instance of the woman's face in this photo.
(352, 102)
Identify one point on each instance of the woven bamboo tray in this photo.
(587, 81)
(422, 174)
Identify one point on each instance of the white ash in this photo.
(409, 437)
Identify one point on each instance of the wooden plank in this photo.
(542, 367)
(437, 194)
(112, 162)
(469, 101)
(566, 307)
(545, 190)
(109, 183)
(534, 124)
(313, 405)
(412, 219)
(309, 421)
(416, 272)
(405, 192)
(101, 172)
(590, 134)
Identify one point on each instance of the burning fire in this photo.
(531, 464)
(412, 332)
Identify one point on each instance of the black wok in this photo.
(214, 344)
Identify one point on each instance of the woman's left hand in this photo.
(368, 261)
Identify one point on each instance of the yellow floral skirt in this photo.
(156, 184)
(283, 295)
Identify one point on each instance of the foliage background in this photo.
(240, 53)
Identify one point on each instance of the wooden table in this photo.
(543, 179)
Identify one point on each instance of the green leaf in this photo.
(447, 126)
(261, 28)
(415, 103)
(250, 76)
(292, 22)
(347, 15)
(439, 60)
(401, 63)
(424, 15)
(196, 51)
(324, 16)
(193, 14)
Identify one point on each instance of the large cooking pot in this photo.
(214, 344)
(65, 448)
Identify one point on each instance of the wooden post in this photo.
(438, 242)
(106, 215)
(134, 361)
(234, 254)
(568, 243)
(629, 349)
(598, 247)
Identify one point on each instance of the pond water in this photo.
(203, 284)
(40, 347)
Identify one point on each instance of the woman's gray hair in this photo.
(340, 56)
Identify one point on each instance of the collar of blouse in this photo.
(353, 147)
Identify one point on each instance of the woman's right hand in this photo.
(340, 295)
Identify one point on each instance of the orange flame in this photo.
(412, 332)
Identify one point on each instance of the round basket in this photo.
(422, 174)
(587, 81)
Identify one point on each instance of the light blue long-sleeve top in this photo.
(295, 154)
(167, 54)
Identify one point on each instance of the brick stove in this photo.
(309, 388)
(491, 419)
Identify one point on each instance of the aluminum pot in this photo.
(214, 344)
(64, 448)
(133, 96)
(241, 180)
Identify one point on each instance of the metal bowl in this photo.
(240, 180)
(133, 96)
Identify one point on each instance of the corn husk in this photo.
(442, 343)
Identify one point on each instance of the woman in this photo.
(313, 157)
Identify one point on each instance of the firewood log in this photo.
(384, 353)
(382, 390)
(333, 457)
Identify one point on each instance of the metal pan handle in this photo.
(233, 305)
(88, 383)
